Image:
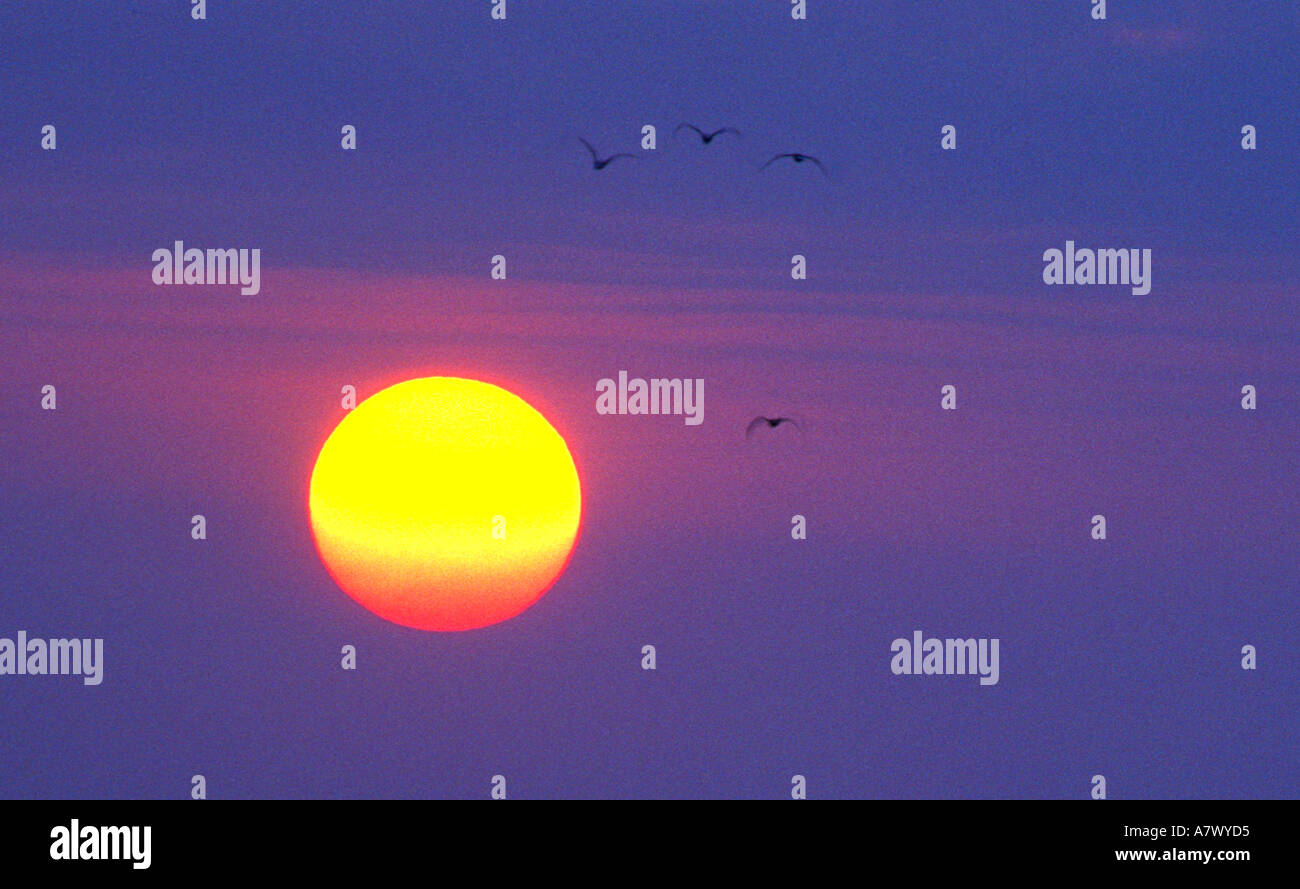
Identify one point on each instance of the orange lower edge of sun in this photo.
(444, 503)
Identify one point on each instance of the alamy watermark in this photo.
(53, 657)
(656, 396)
(90, 843)
(919, 656)
(1083, 265)
(177, 265)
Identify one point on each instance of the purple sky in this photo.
(1119, 658)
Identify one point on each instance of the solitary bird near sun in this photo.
(444, 503)
(771, 422)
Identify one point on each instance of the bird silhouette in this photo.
(772, 423)
(798, 158)
(705, 138)
(599, 163)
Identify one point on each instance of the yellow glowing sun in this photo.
(445, 504)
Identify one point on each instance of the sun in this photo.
(444, 503)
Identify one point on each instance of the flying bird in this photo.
(599, 163)
(772, 423)
(706, 138)
(798, 158)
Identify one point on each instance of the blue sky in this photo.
(1119, 658)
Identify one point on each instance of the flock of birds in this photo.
(706, 138)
